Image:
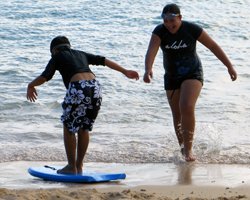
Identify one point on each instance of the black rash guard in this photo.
(69, 62)
(180, 59)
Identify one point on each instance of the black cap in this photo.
(171, 8)
(59, 41)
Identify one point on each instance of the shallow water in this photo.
(14, 175)
(135, 123)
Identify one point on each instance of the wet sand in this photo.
(143, 181)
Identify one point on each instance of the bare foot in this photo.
(189, 157)
(79, 167)
(188, 143)
(79, 171)
(67, 170)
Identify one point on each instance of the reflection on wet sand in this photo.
(185, 171)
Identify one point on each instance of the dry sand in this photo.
(144, 181)
(140, 193)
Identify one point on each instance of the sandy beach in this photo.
(144, 181)
(140, 192)
(134, 131)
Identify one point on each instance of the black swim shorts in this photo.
(81, 105)
(171, 83)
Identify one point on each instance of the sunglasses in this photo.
(169, 15)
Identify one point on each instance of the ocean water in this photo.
(135, 123)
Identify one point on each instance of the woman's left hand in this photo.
(232, 73)
(31, 94)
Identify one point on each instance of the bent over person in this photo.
(83, 96)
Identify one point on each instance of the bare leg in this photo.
(173, 100)
(70, 148)
(189, 93)
(82, 146)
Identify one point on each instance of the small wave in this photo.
(134, 153)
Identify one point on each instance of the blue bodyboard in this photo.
(49, 173)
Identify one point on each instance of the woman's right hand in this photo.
(147, 77)
(31, 94)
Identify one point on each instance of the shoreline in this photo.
(144, 181)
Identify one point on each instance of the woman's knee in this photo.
(187, 109)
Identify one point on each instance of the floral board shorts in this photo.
(81, 105)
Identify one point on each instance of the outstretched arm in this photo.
(31, 90)
(128, 73)
(153, 47)
(207, 41)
